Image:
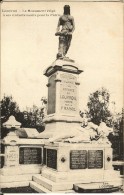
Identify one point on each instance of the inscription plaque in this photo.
(68, 94)
(52, 158)
(95, 159)
(44, 156)
(30, 155)
(12, 156)
(78, 159)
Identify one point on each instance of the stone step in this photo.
(60, 177)
(54, 176)
(52, 186)
(14, 184)
(41, 189)
(73, 176)
(38, 188)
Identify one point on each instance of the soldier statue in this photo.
(65, 35)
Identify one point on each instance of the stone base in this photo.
(53, 181)
(64, 161)
(75, 176)
(55, 129)
(15, 180)
(18, 176)
(63, 177)
(20, 170)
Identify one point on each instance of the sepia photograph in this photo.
(62, 97)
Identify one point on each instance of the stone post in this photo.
(11, 143)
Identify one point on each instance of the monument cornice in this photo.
(62, 65)
(60, 118)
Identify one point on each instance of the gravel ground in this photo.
(18, 190)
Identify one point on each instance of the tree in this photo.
(8, 107)
(33, 118)
(98, 106)
(116, 137)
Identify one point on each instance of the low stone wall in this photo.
(23, 158)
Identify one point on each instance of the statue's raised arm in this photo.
(66, 22)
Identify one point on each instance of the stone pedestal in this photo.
(58, 129)
(71, 157)
(63, 98)
(66, 166)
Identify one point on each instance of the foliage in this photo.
(98, 106)
(30, 118)
(116, 137)
(33, 118)
(8, 107)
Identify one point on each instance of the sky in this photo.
(29, 46)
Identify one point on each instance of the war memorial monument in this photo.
(66, 157)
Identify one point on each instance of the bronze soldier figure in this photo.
(65, 35)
